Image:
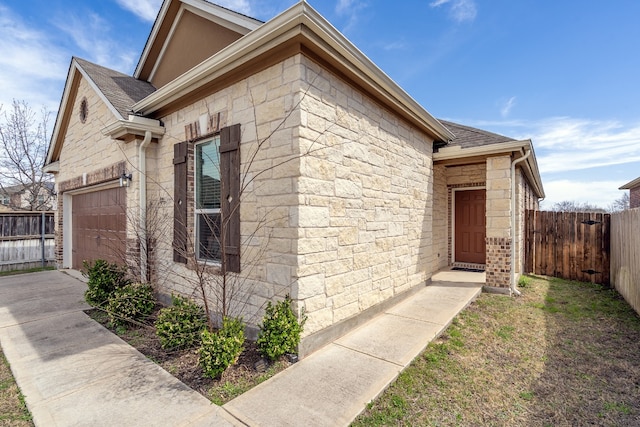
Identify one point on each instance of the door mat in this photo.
(472, 270)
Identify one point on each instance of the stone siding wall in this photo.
(366, 197)
(499, 237)
(266, 107)
(88, 158)
(634, 198)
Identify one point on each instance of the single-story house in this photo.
(278, 153)
(634, 192)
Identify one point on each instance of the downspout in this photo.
(512, 287)
(142, 170)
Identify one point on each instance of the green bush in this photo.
(179, 325)
(104, 279)
(132, 302)
(221, 349)
(280, 330)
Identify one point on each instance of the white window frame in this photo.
(203, 211)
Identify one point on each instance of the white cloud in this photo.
(29, 63)
(598, 193)
(88, 34)
(508, 106)
(145, 9)
(574, 144)
(351, 10)
(241, 6)
(460, 10)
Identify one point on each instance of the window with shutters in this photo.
(207, 207)
(207, 200)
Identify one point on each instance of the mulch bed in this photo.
(183, 364)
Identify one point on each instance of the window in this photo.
(214, 195)
(4, 199)
(207, 200)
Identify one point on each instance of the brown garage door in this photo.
(470, 226)
(99, 226)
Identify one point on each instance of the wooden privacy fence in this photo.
(625, 255)
(26, 240)
(570, 245)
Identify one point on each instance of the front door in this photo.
(470, 226)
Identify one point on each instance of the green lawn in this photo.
(563, 354)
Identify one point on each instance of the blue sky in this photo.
(565, 74)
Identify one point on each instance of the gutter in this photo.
(512, 286)
(142, 172)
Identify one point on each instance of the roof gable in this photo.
(117, 90)
(185, 33)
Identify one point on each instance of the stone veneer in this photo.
(338, 213)
(499, 237)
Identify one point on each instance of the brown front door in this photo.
(99, 226)
(470, 226)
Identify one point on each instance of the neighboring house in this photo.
(20, 198)
(634, 192)
(334, 186)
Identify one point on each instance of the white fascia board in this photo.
(152, 36)
(53, 167)
(63, 104)
(457, 152)
(227, 18)
(237, 22)
(134, 126)
(632, 184)
(285, 26)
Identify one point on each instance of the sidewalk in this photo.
(73, 371)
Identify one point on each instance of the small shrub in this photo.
(132, 302)
(179, 326)
(280, 330)
(523, 282)
(221, 349)
(104, 279)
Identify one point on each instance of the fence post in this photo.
(42, 240)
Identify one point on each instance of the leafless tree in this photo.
(621, 204)
(23, 148)
(573, 206)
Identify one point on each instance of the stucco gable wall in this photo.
(365, 219)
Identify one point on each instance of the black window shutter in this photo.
(230, 196)
(180, 152)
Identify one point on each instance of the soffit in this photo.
(299, 29)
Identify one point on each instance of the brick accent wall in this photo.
(499, 237)
(634, 198)
(498, 267)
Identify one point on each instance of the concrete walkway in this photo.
(73, 372)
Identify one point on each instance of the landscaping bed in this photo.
(183, 364)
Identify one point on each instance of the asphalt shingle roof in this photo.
(121, 90)
(468, 137)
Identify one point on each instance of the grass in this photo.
(13, 410)
(564, 353)
(27, 270)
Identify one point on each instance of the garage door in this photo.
(99, 226)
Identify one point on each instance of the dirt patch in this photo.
(183, 364)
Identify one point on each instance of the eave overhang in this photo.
(456, 155)
(302, 28)
(632, 184)
(134, 128)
